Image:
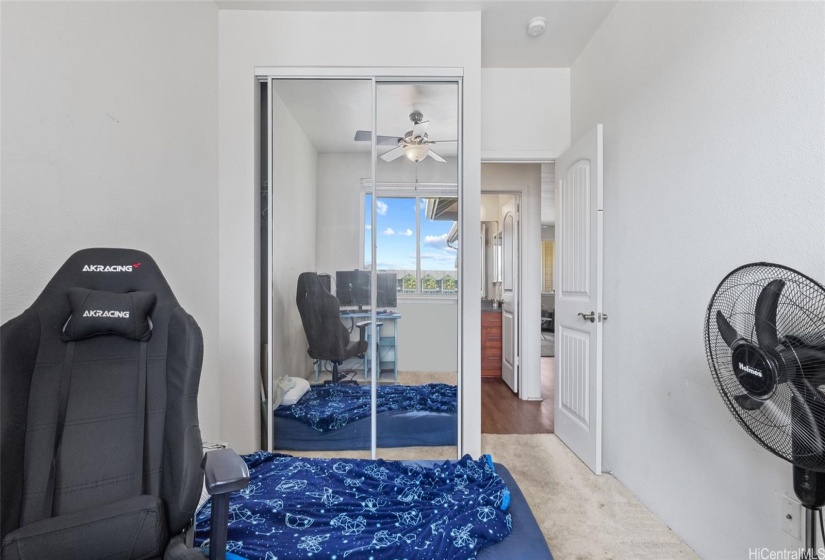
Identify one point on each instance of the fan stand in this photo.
(809, 487)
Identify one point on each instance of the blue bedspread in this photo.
(349, 508)
(331, 407)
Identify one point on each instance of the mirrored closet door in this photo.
(360, 266)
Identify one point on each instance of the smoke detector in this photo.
(536, 26)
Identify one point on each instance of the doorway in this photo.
(510, 209)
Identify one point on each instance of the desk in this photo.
(387, 350)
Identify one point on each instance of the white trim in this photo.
(520, 156)
(270, 236)
(364, 72)
(446, 299)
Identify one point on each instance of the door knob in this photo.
(588, 316)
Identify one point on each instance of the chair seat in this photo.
(129, 529)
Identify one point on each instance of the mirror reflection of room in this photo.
(328, 212)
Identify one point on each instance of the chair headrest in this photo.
(107, 270)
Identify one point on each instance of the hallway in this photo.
(502, 412)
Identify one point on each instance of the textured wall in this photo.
(109, 139)
(713, 142)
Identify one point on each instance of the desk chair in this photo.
(327, 337)
(100, 441)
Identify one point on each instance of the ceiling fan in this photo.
(415, 144)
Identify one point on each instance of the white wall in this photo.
(713, 140)
(524, 178)
(109, 139)
(294, 192)
(252, 38)
(525, 113)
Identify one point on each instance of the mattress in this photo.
(525, 541)
(397, 428)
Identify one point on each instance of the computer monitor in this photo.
(387, 289)
(352, 288)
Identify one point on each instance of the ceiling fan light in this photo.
(416, 152)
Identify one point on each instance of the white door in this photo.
(509, 291)
(579, 313)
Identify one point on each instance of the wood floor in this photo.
(502, 412)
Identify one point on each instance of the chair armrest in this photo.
(224, 471)
(362, 325)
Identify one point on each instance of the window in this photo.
(548, 249)
(416, 238)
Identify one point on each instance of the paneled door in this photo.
(579, 313)
(510, 297)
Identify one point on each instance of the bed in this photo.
(296, 507)
(337, 417)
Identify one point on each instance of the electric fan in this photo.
(765, 343)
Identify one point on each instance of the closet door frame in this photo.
(266, 75)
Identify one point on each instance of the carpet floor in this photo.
(582, 516)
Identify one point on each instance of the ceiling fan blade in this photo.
(765, 314)
(436, 157)
(747, 402)
(420, 129)
(395, 153)
(366, 136)
(441, 141)
(729, 334)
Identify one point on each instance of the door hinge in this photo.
(602, 317)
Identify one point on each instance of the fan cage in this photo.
(791, 420)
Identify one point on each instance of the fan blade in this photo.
(436, 157)
(747, 402)
(441, 141)
(395, 153)
(729, 334)
(765, 314)
(419, 129)
(806, 429)
(809, 362)
(366, 136)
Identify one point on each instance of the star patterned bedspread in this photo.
(299, 508)
(331, 407)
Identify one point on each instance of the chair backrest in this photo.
(321, 316)
(101, 457)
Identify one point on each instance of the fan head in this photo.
(765, 344)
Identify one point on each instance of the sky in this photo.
(396, 239)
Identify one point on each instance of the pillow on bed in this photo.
(299, 390)
(95, 313)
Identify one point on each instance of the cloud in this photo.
(369, 226)
(408, 233)
(438, 242)
(381, 208)
(389, 231)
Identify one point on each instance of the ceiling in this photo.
(330, 111)
(504, 39)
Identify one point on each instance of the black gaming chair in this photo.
(101, 449)
(320, 311)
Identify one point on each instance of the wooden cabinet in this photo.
(491, 343)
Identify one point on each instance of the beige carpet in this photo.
(582, 516)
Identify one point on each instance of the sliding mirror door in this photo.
(320, 287)
(411, 217)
